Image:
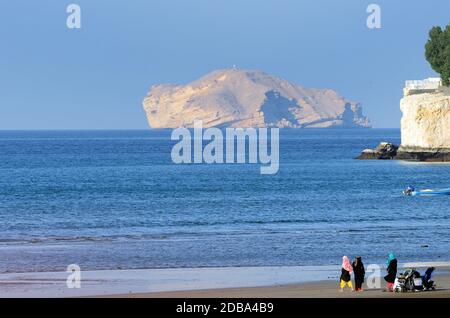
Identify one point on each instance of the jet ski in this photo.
(410, 191)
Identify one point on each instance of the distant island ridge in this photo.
(249, 98)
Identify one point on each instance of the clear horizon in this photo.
(149, 128)
(96, 77)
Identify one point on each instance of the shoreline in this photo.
(321, 289)
(280, 281)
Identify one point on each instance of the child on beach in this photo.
(345, 274)
(359, 273)
(392, 272)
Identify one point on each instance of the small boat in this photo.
(410, 191)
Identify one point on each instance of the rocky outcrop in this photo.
(384, 151)
(425, 126)
(439, 155)
(425, 122)
(242, 98)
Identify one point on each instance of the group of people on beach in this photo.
(359, 272)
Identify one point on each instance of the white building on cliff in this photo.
(428, 85)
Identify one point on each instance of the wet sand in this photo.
(226, 282)
(323, 289)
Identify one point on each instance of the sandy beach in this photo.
(324, 289)
(220, 282)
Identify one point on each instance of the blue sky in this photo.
(52, 77)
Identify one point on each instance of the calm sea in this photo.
(114, 199)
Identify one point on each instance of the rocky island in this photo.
(246, 98)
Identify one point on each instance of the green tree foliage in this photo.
(437, 52)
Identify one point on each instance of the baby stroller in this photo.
(427, 283)
(411, 280)
(407, 281)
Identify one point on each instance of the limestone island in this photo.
(248, 98)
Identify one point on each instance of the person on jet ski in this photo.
(409, 190)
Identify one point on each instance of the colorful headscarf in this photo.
(391, 257)
(346, 264)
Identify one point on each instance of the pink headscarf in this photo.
(346, 264)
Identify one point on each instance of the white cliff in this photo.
(242, 98)
(425, 122)
(425, 125)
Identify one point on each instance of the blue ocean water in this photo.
(115, 200)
